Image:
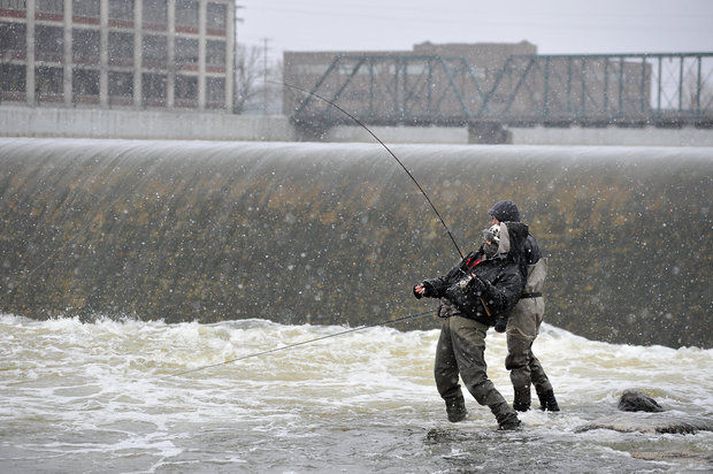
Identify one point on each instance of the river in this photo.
(103, 397)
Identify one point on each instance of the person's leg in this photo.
(518, 363)
(543, 387)
(521, 331)
(468, 342)
(446, 375)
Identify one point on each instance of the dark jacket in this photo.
(484, 289)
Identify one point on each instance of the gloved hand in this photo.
(501, 325)
(445, 311)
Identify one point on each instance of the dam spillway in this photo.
(325, 233)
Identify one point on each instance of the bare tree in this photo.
(248, 75)
(254, 94)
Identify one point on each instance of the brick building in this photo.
(118, 53)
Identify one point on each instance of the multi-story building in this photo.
(118, 53)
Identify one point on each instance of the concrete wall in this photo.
(534, 136)
(434, 135)
(21, 121)
(649, 136)
(17, 121)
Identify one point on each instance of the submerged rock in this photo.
(655, 420)
(633, 400)
(650, 423)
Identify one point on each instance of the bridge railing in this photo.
(666, 89)
(391, 89)
(625, 89)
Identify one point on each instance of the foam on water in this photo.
(77, 396)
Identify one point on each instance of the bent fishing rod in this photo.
(360, 328)
(393, 155)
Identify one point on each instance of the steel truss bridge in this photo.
(661, 90)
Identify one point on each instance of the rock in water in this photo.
(650, 423)
(633, 400)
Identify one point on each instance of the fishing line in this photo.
(360, 328)
(302, 343)
(361, 124)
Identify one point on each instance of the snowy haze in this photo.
(555, 26)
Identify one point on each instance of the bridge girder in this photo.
(638, 89)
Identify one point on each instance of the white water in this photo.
(101, 397)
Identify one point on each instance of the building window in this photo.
(55, 7)
(49, 43)
(85, 46)
(12, 81)
(121, 85)
(121, 48)
(186, 91)
(153, 89)
(12, 41)
(215, 92)
(186, 51)
(187, 13)
(215, 53)
(121, 10)
(155, 51)
(155, 12)
(86, 8)
(215, 16)
(13, 5)
(49, 83)
(85, 85)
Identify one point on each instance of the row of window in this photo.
(153, 11)
(49, 84)
(49, 46)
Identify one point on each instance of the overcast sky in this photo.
(555, 26)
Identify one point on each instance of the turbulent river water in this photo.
(102, 397)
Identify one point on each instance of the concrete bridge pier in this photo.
(488, 133)
(310, 130)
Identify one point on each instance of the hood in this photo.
(512, 240)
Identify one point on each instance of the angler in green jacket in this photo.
(524, 322)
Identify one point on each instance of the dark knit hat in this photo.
(505, 211)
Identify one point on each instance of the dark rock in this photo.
(633, 400)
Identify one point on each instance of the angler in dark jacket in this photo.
(475, 295)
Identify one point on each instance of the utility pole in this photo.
(264, 71)
(236, 57)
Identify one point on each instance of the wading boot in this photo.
(507, 418)
(455, 408)
(509, 422)
(548, 402)
(522, 399)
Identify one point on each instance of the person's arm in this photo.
(502, 295)
(436, 287)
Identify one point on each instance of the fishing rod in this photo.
(393, 155)
(302, 343)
